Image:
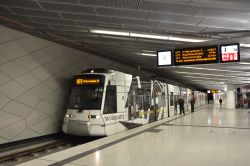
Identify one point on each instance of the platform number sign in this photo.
(230, 53)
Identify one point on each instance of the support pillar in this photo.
(229, 96)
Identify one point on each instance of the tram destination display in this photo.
(193, 56)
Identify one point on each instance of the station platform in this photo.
(210, 136)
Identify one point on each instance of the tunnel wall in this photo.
(34, 83)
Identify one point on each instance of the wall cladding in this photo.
(34, 82)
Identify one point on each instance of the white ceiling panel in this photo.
(126, 4)
(133, 22)
(224, 4)
(122, 13)
(62, 1)
(168, 8)
(68, 8)
(224, 14)
(189, 20)
(221, 23)
(35, 13)
(180, 2)
(180, 27)
(83, 17)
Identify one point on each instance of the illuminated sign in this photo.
(80, 81)
(213, 91)
(164, 58)
(192, 56)
(230, 53)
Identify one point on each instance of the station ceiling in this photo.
(131, 31)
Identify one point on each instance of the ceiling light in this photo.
(244, 45)
(148, 36)
(110, 32)
(147, 54)
(205, 78)
(244, 63)
(148, 51)
(204, 74)
(199, 68)
(186, 39)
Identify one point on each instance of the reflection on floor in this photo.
(212, 136)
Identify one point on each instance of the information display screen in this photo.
(164, 58)
(193, 56)
(230, 53)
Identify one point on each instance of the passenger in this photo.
(220, 100)
(175, 105)
(192, 101)
(245, 102)
(181, 103)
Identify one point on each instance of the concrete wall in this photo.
(34, 81)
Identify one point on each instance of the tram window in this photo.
(171, 98)
(86, 97)
(110, 105)
(86, 92)
(147, 100)
(139, 101)
(162, 100)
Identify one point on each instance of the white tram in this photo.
(104, 102)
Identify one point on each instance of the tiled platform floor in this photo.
(211, 136)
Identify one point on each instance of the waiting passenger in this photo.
(220, 101)
(181, 103)
(175, 105)
(245, 102)
(192, 101)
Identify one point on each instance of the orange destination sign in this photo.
(192, 56)
(81, 81)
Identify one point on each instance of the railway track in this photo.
(24, 152)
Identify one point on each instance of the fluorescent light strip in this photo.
(244, 45)
(198, 68)
(244, 63)
(186, 39)
(239, 77)
(204, 74)
(149, 51)
(147, 54)
(205, 78)
(111, 32)
(141, 35)
(149, 36)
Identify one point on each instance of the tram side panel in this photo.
(118, 85)
(174, 94)
(189, 95)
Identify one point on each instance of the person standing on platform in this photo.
(192, 101)
(175, 105)
(220, 101)
(245, 103)
(181, 103)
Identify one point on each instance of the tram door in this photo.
(135, 101)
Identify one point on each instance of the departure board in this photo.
(193, 56)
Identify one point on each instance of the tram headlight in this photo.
(68, 115)
(93, 116)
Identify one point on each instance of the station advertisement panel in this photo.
(229, 53)
(193, 56)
